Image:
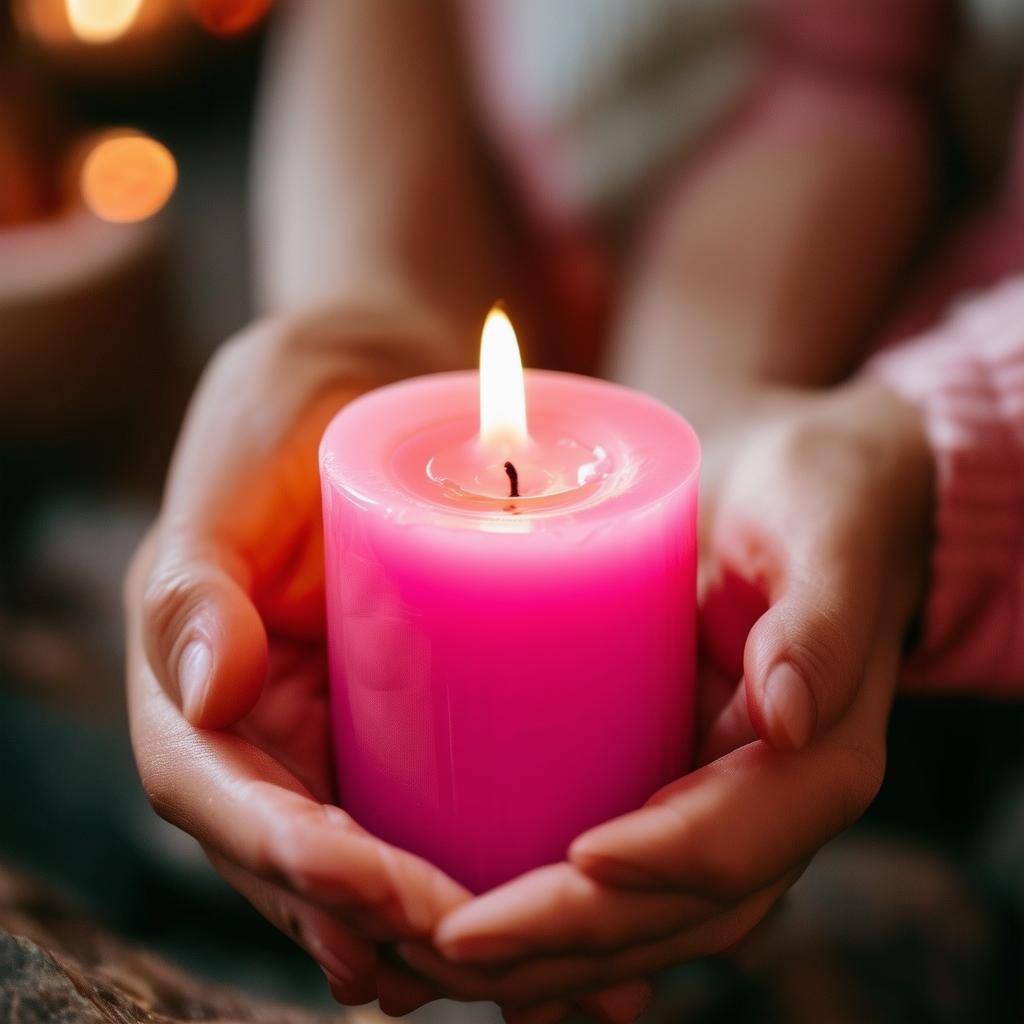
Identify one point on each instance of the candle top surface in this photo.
(412, 452)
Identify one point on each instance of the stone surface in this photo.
(58, 968)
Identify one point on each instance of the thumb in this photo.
(203, 636)
(805, 658)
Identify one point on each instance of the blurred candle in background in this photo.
(229, 17)
(101, 21)
(103, 43)
(126, 176)
(106, 42)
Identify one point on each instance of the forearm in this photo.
(365, 185)
(772, 258)
(985, 249)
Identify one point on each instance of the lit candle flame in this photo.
(101, 21)
(502, 391)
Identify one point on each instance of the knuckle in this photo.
(820, 446)
(820, 646)
(259, 352)
(821, 643)
(167, 601)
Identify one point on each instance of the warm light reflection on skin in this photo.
(101, 21)
(502, 390)
(228, 17)
(127, 177)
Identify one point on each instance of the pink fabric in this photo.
(967, 376)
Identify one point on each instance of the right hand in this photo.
(226, 668)
(820, 514)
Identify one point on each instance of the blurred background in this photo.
(124, 139)
(123, 263)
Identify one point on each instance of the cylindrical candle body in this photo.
(503, 679)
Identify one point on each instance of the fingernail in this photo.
(331, 963)
(194, 669)
(625, 1003)
(341, 989)
(357, 993)
(610, 871)
(482, 948)
(789, 705)
(347, 993)
(468, 935)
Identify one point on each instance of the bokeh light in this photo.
(229, 17)
(101, 21)
(127, 176)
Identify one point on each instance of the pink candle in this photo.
(507, 669)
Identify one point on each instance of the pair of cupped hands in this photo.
(814, 515)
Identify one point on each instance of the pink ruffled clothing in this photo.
(967, 376)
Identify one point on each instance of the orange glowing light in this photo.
(127, 177)
(229, 17)
(101, 21)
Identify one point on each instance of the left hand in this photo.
(226, 672)
(816, 522)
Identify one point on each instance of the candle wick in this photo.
(513, 480)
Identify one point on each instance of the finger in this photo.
(805, 657)
(560, 909)
(730, 730)
(204, 639)
(738, 823)
(349, 962)
(619, 1004)
(237, 800)
(570, 975)
(201, 631)
(818, 560)
(401, 991)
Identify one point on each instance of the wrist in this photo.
(899, 452)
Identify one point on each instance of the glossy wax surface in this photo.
(506, 673)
